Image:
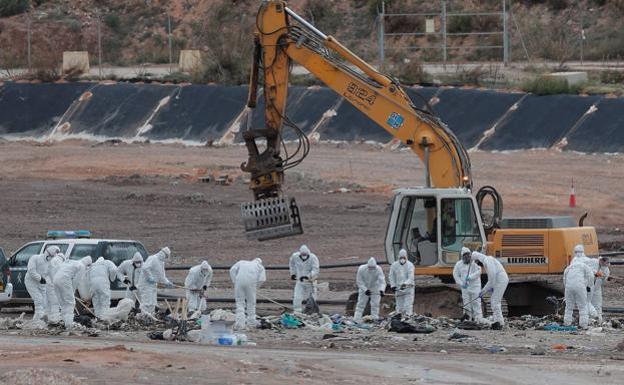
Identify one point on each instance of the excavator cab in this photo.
(433, 225)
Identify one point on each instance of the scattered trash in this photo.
(595, 331)
(398, 326)
(289, 321)
(560, 347)
(458, 336)
(555, 327)
(496, 349)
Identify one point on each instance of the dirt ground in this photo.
(96, 361)
(151, 193)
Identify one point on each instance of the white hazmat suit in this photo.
(247, 276)
(371, 284)
(153, 274)
(54, 308)
(128, 272)
(196, 283)
(65, 283)
(304, 269)
(579, 252)
(577, 279)
(496, 284)
(36, 279)
(468, 277)
(401, 278)
(602, 275)
(100, 275)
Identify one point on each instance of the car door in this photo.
(18, 264)
(3, 270)
(117, 252)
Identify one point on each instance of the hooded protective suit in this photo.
(497, 284)
(153, 273)
(36, 279)
(601, 277)
(128, 272)
(65, 283)
(247, 276)
(196, 283)
(100, 275)
(577, 279)
(54, 308)
(371, 284)
(468, 278)
(401, 278)
(579, 252)
(304, 269)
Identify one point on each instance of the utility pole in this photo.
(443, 22)
(582, 31)
(170, 45)
(505, 35)
(28, 39)
(99, 38)
(381, 35)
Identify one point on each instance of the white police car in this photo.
(73, 244)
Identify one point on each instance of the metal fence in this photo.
(437, 26)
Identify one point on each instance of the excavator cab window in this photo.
(459, 227)
(416, 230)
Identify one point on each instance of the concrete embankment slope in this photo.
(482, 119)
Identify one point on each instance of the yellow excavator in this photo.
(433, 222)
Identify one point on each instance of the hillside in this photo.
(135, 31)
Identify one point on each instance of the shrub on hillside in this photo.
(12, 7)
(548, 86)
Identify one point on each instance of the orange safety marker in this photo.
(572, 202)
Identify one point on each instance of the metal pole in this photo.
(443, 22)
(582, 31)
(170, 48)
(99, 37)
(505, 35)
(381, 17)
(28, 38)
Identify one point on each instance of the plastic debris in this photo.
(496, 349)
(289, 321)
(555, 327)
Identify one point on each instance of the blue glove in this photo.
(491, 290)
(169, 285)
(150, 281)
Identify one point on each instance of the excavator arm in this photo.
(283, 37)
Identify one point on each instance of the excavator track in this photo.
(524, 295)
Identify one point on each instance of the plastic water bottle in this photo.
(227, 339)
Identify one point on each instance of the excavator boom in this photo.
(283, 37)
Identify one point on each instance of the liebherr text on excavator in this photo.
(433, 222)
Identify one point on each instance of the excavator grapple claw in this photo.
(271, 218)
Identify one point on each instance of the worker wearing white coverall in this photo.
(53, 306)
(66, 281)
(304, 269)
(371, 284)
(601, 277)
(36, 279)
(246, 276)
(467, 275)
(401, 279)
(579, 252)
(100, 275)
(577, 279)
(196, 283)
(496, 284)
(153, 273)
(128, 272)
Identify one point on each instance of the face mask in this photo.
(137, 265)
(304, 257)
(402, 261)
(466, 259)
